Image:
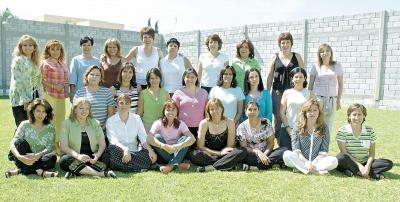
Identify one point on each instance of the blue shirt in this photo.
(78, 68)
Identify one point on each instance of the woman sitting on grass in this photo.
(257, 136)
(83, 143)
(310, 142)
(216, 141)
(33, 143)
(357, 147)
(170, 138)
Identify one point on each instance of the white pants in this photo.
(292, 160)
(328, 105)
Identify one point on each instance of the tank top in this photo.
(144, 64)
(281, 73)
(111, 72)
(153, 105)
(216, 141)
(85, 145)
(295, 101)
(172, 72)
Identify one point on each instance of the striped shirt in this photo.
(311, 145)
(99, 101)
(133, 93)
(358, 147)
(55, 73)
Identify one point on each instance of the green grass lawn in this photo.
(277, 185)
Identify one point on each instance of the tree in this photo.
(6, 14)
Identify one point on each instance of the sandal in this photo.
(68, 175)
(9, 173)
(109, 173)
(46, 174)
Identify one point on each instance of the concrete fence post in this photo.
(380, 67)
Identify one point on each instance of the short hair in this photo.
(89, 69)
(47, 107)
(124, 97)
(221, 74)
(76, 103)
(214, 102)
(175, 41)
(147, 30)
(190, 70)
(354, 107)
(324, 45)
(164, 120)
(35, 57)
(106, 44)
(51, 43)
(302, 119)
(247, 87)
(285, 36)
(295, 71)
(156, 72)
(127, 65)
(214, 37)
(86, 39)
(249, 44)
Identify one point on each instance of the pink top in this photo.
(170, 134)
(326, 80)
(191, 106)
(55, 73)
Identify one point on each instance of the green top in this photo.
(38, 141)
(152, 109)
(241, 67)
(71, 133)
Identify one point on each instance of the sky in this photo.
(188, 15)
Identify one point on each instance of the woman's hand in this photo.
(168, 148)
(289, 130)
(126, 157)
(152, 155)
(226, 151)
(83, 157)
(27, 159)
(338, 106)
(96, 157)
(262, 157)
(364, 171)
(310, 166)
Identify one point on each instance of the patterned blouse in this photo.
(255, 138)
(25, 78)
(38, 141)
(55, 73)
(310, 145)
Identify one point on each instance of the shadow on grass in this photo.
(3, 97)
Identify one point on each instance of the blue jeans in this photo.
(175, 158)
(284, 139)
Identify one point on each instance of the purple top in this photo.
(170, 134)
(191, 106)
(326, 80)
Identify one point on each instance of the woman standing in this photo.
(244, 61)
(191, 101)
(100, 98)
(83, 143)
(172, 66)
(357, 143)
(292, 100)
(210, 64)
(170, 138)
(32, 146)
(26, 78)
(257, 136)
(55, 75)
(216, 141)
(111, 61)
(125, 130)
(230, 95)
(326, 81)
(278, 77)
(151, 99)
(310, 142)
(147, 56)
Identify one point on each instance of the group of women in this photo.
(158, 111)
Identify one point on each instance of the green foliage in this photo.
(271, 185)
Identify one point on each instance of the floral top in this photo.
(38, 141)
(256, 138)
(25, 78)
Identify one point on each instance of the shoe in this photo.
(205, 169)
(68, 175)
(9, 173)
(109, 173)
(154, 166)
(323, 172)
(201, 169)
(348, 173)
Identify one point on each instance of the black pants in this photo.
(46, 162)
(140, 160)
(70, 164)
(19, 114)
(194, 131)
(208, 89)
(275, 157)
(377, 168)
(226, 162)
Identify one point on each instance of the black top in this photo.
(216, 141)
(281, 73)
(85, 145)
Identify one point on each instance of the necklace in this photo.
(155, 95)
